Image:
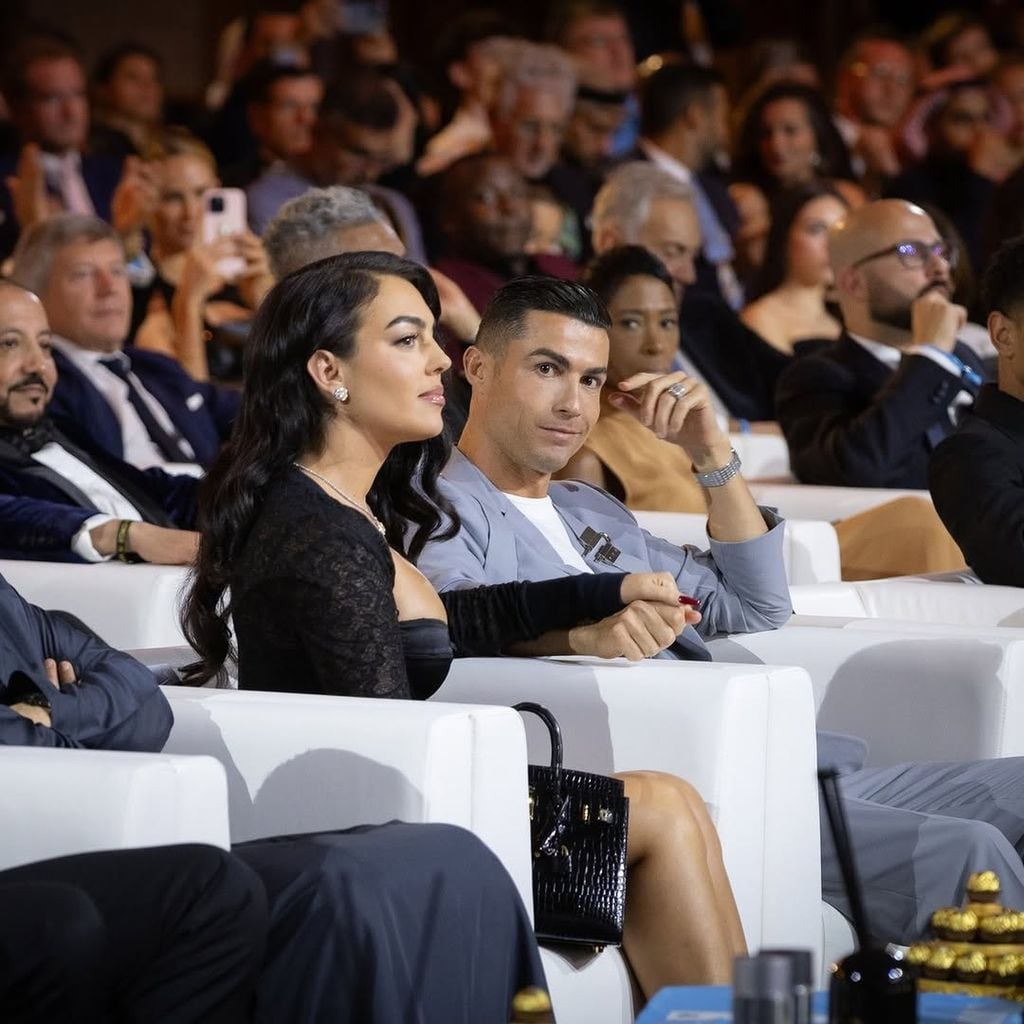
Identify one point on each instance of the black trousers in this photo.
(390, 924)
(170, 934)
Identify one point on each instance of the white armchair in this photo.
(744, 737)
(86, 800)
(912, 599)
(764, 456)
(127, 605)
(912, 691)
(811, 549)
(807, 501)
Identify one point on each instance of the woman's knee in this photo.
(663, 804)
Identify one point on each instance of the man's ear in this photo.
(1003, 332)
(606, 237)
(850, 281)
(476, 365)
(326, 370)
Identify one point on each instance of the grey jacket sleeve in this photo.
(741, 586)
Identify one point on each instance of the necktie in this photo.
(72, 187)
(167, 442)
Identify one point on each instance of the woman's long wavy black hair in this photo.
(785, 208)
(283, 415)
(833, 155)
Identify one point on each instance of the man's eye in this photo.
(545, 368)
(592, 382)
(669, 323)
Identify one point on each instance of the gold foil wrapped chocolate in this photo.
(918, 955)
(941, 916)
(1004, 969)
(960, 926)
(983, 887)
(940, 963)
(971, 967)
(998, 928)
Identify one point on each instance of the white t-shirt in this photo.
(541, 512)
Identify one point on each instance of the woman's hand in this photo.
(135, 197)
(685, 418)
(199, 275)
(256, 279)
(27, 187)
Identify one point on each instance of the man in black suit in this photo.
(868, 410)
(62, 502)
(977, 474)
(138, 406)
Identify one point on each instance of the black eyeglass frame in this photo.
(914, 259)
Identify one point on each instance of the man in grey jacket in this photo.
(537, 371)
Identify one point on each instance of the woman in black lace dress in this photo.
(305, 518)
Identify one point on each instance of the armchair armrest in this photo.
(127, 605)
(810, 549)
(912, 691)
(84, 800)
(305, 763)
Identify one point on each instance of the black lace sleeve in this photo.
(484, 621)
(313, 605)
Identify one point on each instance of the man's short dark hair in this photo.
(265, 74)
(29, 50)
(361, 97)
(504, 318)
(671, 90)
(109, 62)
(1002, 287)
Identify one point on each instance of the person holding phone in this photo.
(211, 271)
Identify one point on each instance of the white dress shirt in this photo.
(110, 502)
(139, 449)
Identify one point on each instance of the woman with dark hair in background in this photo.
(788, 139)
(789, 302)
(311, 518)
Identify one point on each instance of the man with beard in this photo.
(868, 410)
(63, 502)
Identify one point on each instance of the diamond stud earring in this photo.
(341, 393)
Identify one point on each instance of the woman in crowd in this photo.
(190, 310)
(621, 455)
(789, 304)
(788, 139)
(310, 520)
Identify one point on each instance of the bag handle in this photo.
(553, 730)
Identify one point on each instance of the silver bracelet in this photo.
(717, 477)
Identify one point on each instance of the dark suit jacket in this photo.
(39, 515)
(851, 421)
(741, 367)
(115, 705)
(977, 482)
(203, 413)
(100, 174)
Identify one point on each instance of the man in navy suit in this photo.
(60, 501)
(139, 407)
(868, 410)
(45, 87)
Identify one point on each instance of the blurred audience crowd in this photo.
(805, 217)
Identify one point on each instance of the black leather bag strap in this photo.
(553, 730)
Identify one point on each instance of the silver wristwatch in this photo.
(717, 477)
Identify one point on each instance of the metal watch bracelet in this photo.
(717, 477)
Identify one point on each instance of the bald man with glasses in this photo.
(867, 410)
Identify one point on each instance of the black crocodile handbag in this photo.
(578, 823)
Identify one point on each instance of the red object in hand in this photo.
(690, 602)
